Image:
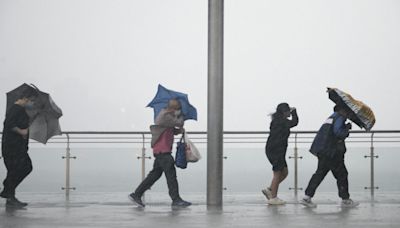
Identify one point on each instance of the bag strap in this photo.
(182, 138)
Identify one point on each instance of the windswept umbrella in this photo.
(360, 113)
(43, 115)
(23, 89)
(162, 98)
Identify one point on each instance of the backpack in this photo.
(325, 142)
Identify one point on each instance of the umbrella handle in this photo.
(34, 86)
(38, 90)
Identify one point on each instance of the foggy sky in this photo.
(102, 60)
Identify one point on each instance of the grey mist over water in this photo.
(246, 170)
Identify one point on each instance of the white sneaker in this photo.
(308, 203)
(349, 203)
(276, 201)
(267, 193)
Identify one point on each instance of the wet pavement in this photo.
(240, 210)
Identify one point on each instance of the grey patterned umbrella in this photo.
(43, 115)
(45, 122)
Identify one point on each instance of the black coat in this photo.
(277, 142)
(13, 142)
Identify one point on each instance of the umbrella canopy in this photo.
(45, 124)
(14, 94)
(162, 98)
(360, 113)
(43, 115)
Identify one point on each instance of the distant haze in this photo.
(102, 60)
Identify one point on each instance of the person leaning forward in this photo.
(168, 123)
(15, 140)
(329, 146)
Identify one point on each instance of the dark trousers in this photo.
(162, 163)
(339, 171)
(18, 165)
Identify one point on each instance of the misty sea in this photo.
(246, 170)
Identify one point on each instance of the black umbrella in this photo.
(23, 89)
(43, 115)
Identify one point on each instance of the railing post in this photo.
(143, 158)
(67, 158)
(372, 157)
(296, 169)
(296, 186)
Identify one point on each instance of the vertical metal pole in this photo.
(143, 162)
(215, 103)
(143, 158)
(296, 156)
(67, 169)
(372, 167)
(372, 157)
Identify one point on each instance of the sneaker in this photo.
(267, 193)
(15, 203)
(349, 203)
(276, 201)
(181, 203)
(308, 203)
(137, 200)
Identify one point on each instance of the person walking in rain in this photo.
(329, 146)
(276, 147)
(168, 123)
(15, 140)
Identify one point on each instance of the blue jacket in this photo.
(329, 140)
(339, 126)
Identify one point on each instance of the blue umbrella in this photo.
(162, 98)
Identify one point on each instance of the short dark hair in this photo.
(280, 110)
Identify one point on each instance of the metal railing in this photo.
(296, 139)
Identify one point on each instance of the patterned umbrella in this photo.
(45, 124)
(43, 116)
(360, 113)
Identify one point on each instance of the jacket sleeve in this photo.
(339, 128)
(277, 132)
(12, 120)
(168, 119)
(295, 119)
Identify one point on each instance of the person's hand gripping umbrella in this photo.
(44, 113)
(162, 98)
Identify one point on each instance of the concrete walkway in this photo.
(110, 210)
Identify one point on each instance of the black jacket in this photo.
(279, 133)
(13, 142)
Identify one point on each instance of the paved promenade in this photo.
(111, 210)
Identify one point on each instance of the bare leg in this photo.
(275, 183)
(284, 174)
